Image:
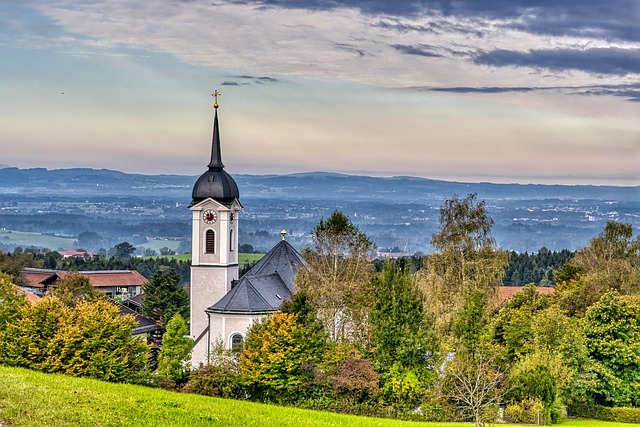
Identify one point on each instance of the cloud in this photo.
(631, 92)
(612, 19)
(420, 50)
(613, 61)
(374, 42)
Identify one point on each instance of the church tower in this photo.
(214, 253)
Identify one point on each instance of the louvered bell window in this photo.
(210, 242)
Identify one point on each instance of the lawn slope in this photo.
(29, 398)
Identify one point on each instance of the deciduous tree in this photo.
(74, 288)
(465, 260)
(612, 330)
(274, 352)
(338, 276)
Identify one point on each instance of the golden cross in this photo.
(215, 95)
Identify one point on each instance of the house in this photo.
(75, 254)
(113, 283)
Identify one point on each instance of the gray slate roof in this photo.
(266, 286)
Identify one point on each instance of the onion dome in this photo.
(215, 182)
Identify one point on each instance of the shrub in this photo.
(211, 380)
(626, 415)
(525, 412)
(589, 410)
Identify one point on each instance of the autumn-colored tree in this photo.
(26, 340)
(94, 340)
(610, 262)
(355, 379)
(338, 276)
(274, 352)
(465, 260)
(74, 288)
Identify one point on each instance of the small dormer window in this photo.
(210, 242)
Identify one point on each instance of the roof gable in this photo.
(39, 277)
(282, 259)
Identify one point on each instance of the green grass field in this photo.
(242, 258)
(36, 239)
(157, 244)
(29, 398)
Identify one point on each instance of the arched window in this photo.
(210, 242)
(232, 246)
(236, 342)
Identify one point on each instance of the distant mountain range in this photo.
(300, 185)
(399, 212)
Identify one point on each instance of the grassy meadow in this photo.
(25, 239)
(29, 398)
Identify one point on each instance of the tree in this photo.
(274, 353)
(465, 260)
(89, 239)
(74, 288)
(175, 351)
(167, 251)
(94, 340)
(10, 301)
(473, 385)
(535, 383)
(26, 340)
(13, 264)
(610, 262)
(513, 324)
(122, 250)
(401, 334)
(338, 276)
(612, 330)
(164, 297)
(470, 328)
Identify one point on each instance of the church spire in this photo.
(216, 157)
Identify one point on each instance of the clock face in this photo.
(209, 216)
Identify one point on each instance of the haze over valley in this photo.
(399, 213)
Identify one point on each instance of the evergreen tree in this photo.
(400, 332)
(175, 352)
(164, 297)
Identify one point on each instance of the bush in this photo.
(604, 413)
(210, 380)
(589, 410)
(626, 415)
(556, 412)
(526, 412)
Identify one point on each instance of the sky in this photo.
(515, 91)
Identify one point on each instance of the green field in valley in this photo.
(25, 239)
(29, 398)
(242, 258)
(157, 244)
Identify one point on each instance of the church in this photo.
(223, 306)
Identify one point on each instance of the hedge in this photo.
(604, 413)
